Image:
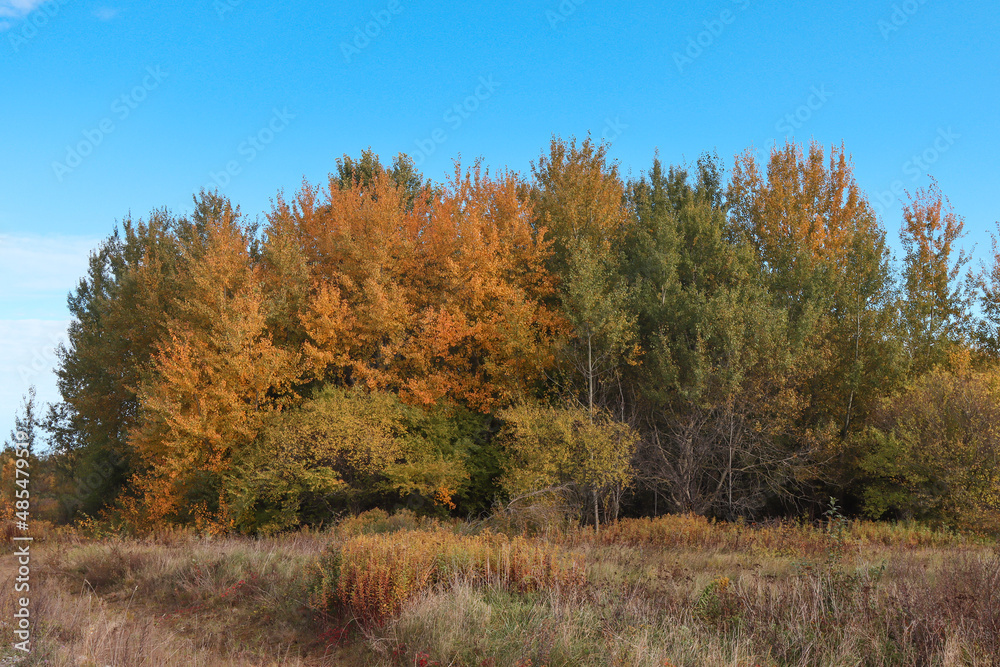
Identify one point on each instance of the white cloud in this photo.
(17, 8)
(37, 273)
(105, 13)
(27, 357)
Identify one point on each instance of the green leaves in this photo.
(550, 447)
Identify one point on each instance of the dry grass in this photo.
(373, 576)
(173, 599)
(676, 591)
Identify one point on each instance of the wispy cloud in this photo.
(17, 8)
(27, 357)
(105, 13)
(38, 271)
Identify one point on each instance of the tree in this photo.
(720, 383)
(580, 202)
(934, 451)
(937, 299)
(988, 281)
(444, 299)
(549, 447)
(119, 311)
(826, 263)
(27, 425)
(214, 376)
(347, 448)
(364, 171)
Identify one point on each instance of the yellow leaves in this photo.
(430, 301)
(580, 197)
(552, 446)
(215, 374)
(803, 204)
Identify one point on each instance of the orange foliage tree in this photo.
(824, 254)
(441, 296)
(215, 375)
(580, 201)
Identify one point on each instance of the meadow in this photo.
(394, 590)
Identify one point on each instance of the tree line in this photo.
(740, 345)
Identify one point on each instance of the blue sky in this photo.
(118, 107)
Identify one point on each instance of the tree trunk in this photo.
(597, 519)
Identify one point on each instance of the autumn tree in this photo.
(214, 375)
(21, 444)
(827, 263)
(365, 170)
(580, 202)
(988, 282)
(717, 389)
(568, 448)
(441, 297)
(933, 451)
(119, 313)
(351, 449)
(937, 295)
(332, 445)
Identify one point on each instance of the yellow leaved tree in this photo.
(214, 377)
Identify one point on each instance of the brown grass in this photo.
(373, 576)
(677, 591)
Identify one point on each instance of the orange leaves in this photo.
(936, 307)
(580, 197)
(328, 323)
(930, 230)
(374, 576)
(803, 202)
(437, 295)
(214, 375)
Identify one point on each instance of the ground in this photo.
(676, 590)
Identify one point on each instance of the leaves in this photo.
(725, 343)
(937, 300)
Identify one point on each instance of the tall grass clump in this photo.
(372, 576)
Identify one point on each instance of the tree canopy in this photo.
(735, 345)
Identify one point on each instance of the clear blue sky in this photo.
(118, 107)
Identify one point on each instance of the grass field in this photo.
(393, 591)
